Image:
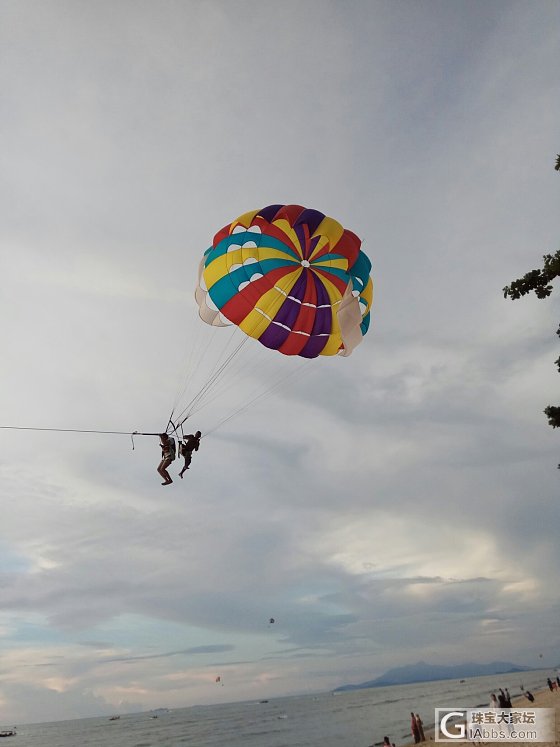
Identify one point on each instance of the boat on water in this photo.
(114, 718)
(8, 733)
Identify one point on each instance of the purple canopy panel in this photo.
(269, 212)
(274, 335)
(312, 218)
(322, 327)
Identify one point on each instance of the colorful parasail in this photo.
(291, 278)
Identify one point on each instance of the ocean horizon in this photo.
(329, 719)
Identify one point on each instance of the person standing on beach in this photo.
(414, 728)
(549, 683)
(493, 701)
(420, 725)
(505, 702)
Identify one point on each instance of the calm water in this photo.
(353, 719)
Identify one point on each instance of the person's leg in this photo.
(188, 457)
(164, 473)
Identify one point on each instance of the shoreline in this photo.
(544, 698)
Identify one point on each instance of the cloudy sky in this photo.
(397, 505)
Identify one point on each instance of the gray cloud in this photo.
(213, 649)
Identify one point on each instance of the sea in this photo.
(356, 718)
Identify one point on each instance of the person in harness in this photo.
(190, 443)
(168, 454)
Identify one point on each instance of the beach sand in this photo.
(543, 699)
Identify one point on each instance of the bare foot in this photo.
(167, 482)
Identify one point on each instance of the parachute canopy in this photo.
(289, 277)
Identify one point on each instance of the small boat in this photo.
(114, 718)
(8, 733)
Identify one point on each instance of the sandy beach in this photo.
(543, 699)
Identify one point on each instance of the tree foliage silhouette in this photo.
(540, 282)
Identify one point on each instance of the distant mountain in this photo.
(422, 672)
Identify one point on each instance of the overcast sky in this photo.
(394, 506)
